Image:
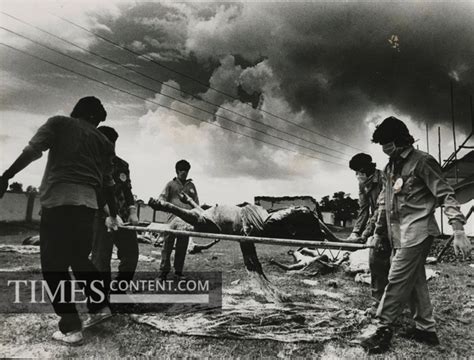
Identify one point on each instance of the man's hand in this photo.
(133, 218)
(3, 185)
(462, 245)
(155, 204)
(374, 241)
(185, 198)
(353, 237)
(112, 223)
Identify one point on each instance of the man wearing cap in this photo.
(79, 164)
(414, 186)
(171, 193)
(370, 185)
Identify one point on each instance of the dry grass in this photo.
(28, 335)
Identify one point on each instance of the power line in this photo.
(144, 56)
(164, 106)
(173, 87)
(168, 96)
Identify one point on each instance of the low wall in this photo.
(19, 207)
(146, 213)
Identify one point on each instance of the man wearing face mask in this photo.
(370, 185)
(414, 186)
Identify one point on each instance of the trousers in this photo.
(379, 264)
(179, 255)
(127, 250)
(66, 241)
(407, 285)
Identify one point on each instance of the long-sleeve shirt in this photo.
(175, 187)
(369, 192)
(79, 162)
(122, 189)
(414, 187)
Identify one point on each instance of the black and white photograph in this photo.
(249, 179)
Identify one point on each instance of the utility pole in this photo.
(439, 159)
(427, 140)
(454, 134)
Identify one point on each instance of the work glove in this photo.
(3, 185)
(132, 217)
(113, 222)
(353, 237)
(462, 245)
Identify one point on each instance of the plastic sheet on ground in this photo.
(246, 316)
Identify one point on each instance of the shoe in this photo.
(375, 339)
(422, 336)
(70, 338)
(95, 318)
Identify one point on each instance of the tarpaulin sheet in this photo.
(245, 316)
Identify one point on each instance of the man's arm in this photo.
(370, 227)
(380, 226)
(430, 171)
(108, 185)
(26, 158)
(362, 216)
(165, 194)
(129, 200)
(41, 141)
(110, 200)
(194, 195)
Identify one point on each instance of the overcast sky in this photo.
(322, 75)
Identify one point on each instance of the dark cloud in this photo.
(333, 60)
(347, 45)
(327, 66)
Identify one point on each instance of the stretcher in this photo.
(163, 228)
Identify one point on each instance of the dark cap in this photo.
(360, 162)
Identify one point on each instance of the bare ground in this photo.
(29, 335)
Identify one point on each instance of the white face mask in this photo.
(389, 148)
(361, 177)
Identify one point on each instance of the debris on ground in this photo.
(21, 249)
(333, 283)
(364, 278)
(31, 240)
(141, 258)
(358, 262)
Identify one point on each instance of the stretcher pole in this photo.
(255, 239)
